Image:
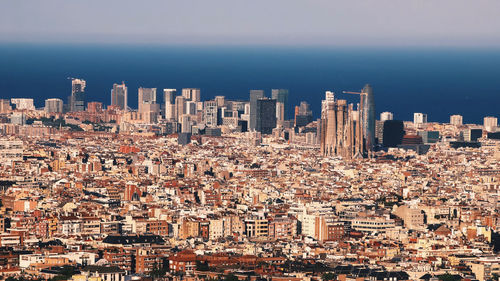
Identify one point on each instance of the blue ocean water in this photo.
(439, 82)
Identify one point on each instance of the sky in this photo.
(254, 22)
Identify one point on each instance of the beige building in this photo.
(485, 268)
(413, 217)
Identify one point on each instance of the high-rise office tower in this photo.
(303, 114)
(281, 97)
(254, 96)
(220, 100)
(148, 108)
(379, 131)
(180, 107)
(147, 95)
(119, 96)
(169, 98)
(456, 120)
(195, 95)
(419, 118)
(305, 108)
(186, 124)
(490, 123)
(190, 108)
(146, 98)
(191, 94)
(77, 98)
(384, 116)
(210, 113)
(280, 113)
(54, 105)
(265, 115)
(393, 132)
(368, 116)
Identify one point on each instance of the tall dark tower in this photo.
(281, 96)
(119, 95)
(266, 115)
(77, 98)
(369, 117)
(254, 96)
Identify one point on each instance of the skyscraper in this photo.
(169, 98)
(220, 100)
(368, 116)
(281, 97)
(191, 94)
(147, 95)
(190, 108)
(119, 96)
(254, 96)
(77, 98)
(210, 113)
(180, 107)
(393, 132)
(266, 115)
(148, 108)
(303, 114)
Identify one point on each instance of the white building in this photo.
(384, 116)
(372, 224)
(456, 120)
(191, 94)
(18, 118)
(419, 118)
(169, 98)
(11, 150)
(490, 123)
(23, 104)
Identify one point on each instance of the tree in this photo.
(202, 266)
(230, 277)
(449, 277)
(494, 277)
(157, 272)
(328, 276)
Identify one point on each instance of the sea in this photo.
(436, 81)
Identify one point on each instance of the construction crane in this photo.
(354, 93)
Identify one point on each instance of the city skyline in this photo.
(266, 140)
(79, 85)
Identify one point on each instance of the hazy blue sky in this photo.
(283, 22)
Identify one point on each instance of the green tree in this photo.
(202, 266)
(328, 276)
(449, 277)
(230, 277)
